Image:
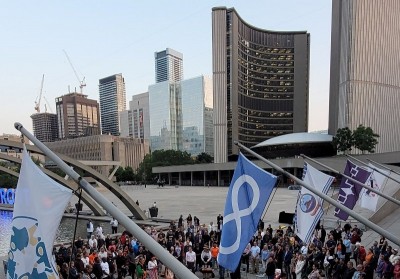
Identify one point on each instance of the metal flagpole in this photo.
(359, 218)
(170, 261)
(381, 172)
(354, 180)
(383, 166)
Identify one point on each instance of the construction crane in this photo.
(38, 98)
(48, 105)
(82, 82)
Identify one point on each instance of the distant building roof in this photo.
(296, 138)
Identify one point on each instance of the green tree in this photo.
(204, 158)
(365, 139)
(343, 141)
(162, 158)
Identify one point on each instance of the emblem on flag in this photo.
(309, 206)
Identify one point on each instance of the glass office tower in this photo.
(197, 115)
(165, 109)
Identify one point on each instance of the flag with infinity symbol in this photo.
(248, 194)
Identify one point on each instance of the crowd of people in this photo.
(273, 254)
(338, 254)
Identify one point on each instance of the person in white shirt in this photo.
(85, 258)
(114, 225)
(206, 256)
(89, 228)
(152, 268)
(102, 253)
(105, 268)
(191, 259)
(93, 242)
(299, 266)
(99, 230)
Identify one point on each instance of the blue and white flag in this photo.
(309, 205)
(38, 208)
(248, 194)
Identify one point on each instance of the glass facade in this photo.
(165, 107)
(181, 115)
(197, 110)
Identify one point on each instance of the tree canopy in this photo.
(362, 138)
(343, 141)
(365, 139)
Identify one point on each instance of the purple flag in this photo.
(349, 191)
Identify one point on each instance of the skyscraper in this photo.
(165, 105)
(365, 76)
(112, 102)
(168, 65)
(77, 116)
(260, 82)
(135, 122)
(181, 115)
(45, 126)
(197, 113)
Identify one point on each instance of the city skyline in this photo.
(34, 38)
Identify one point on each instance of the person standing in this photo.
(114, 225)
(89, 228)
(254, 257)
(191, 259)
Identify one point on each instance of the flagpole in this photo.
(383, 166)
(354, 181)
(359, 218)
(381, 172)
(162, 254)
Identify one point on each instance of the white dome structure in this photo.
(296, 138)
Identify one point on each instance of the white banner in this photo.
(369, 199)
(309, 206)
(39, 205)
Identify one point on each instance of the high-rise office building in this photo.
(260, 82)
(165, 109)
(112, 101)
(77, 116)
(168, 65)
(365, 76)
(135, 122)
(181, 115)
(197, 109)
(45, 126)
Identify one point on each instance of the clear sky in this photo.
(103, 38)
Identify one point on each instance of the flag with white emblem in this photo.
(248, 194)
(39, 205)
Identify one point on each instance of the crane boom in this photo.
(81, 82)
(38, 99)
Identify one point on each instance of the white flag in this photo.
(369, 199)
(38, 209)
(309, 206)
